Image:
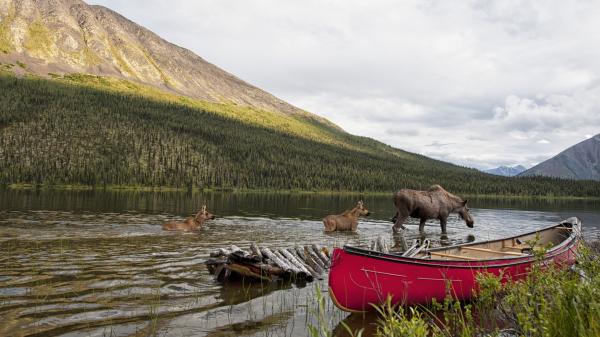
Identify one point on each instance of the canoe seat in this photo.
(453, 256)
(485, 250)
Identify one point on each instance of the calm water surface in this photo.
(98, 263)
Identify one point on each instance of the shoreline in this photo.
(163, 189)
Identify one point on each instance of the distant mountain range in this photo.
(580, 161)
(506, 171)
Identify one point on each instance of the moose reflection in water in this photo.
(189, 224)
(347, 221)
(435, 203)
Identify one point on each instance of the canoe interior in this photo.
(504, 248)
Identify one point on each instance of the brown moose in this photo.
(347, 221)
(189, 224)
(435, 203)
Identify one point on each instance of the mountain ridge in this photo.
(579, 162)
(96, 40)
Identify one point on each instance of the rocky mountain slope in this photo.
(70, 36)
(506, 171)
(580, 161)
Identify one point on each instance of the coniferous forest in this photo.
(61, 133)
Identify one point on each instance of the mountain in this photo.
(580, 161)
(90, 98)
(69, 36)
(506, 171)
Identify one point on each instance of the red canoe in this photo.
(360, 277)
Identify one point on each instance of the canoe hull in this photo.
(360, 278)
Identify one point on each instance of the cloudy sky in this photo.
(477, 83)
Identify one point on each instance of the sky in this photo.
(475, 83)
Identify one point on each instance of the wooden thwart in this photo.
(491, 251)
(453, 256)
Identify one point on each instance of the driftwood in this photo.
(261, 263)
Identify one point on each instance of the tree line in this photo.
(56, 133)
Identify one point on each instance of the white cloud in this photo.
(491, 79)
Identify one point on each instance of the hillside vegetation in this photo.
(96, 131)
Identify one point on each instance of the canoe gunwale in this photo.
(566, 244)
(360, 278)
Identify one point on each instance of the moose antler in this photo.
(203, 208)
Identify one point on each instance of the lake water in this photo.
(97, 263)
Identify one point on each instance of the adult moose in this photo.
(347, 221)
(435, 203)
(189, 224)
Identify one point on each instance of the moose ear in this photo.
(203, 208)
(465, 203)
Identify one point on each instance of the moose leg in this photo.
(400, 218)
(422, 224)
(443, 223)
(329, 225)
